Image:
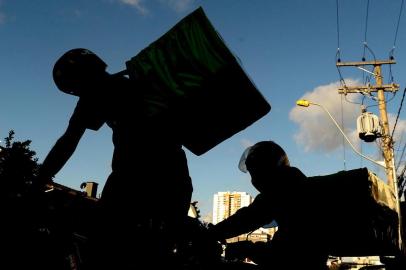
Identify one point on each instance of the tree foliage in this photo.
(18, 164)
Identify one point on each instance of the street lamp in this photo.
(306, 103)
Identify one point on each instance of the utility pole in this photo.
(380, 89)
(387, 140)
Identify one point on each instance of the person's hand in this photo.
(40, 183)
(213, 235)
(207, 246)
(239, 250)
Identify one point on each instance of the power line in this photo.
(398, 23)
(342, 125)
(366, 29)
(397, 161)
(397, 116)
(391, 52)
(401, 179)
(338, 26)
(401, 156)
(338, 53)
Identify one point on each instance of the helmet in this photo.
(75, 69)
(266, 154)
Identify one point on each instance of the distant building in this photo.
(226, 204)
(354, 263)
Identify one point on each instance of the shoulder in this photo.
(119, 81)
(296, 171)
(87, 114)
(290, 172)
(84, 106)
(285, 178)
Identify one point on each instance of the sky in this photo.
(287, 47)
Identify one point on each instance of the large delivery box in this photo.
(190, 72)
(357, 211)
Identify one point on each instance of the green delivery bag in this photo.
(191, 72)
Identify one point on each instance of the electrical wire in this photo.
(392, 51)
(397, 116)
(338, 26)
(342, 81)
(370, 51)
(342, 126)
(367, 78)
(397, 25)
(366, 47)
(400, 142)
(401, 156)
(401, 181)
(338, 53)
(390, 99)
(366, 30)
(352, 102)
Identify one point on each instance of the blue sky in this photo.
(287, 47)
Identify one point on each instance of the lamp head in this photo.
(303, 103)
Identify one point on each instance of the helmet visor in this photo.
(241, 165)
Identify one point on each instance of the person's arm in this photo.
(244, 220)
(60, 152)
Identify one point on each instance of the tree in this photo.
(26, 218)
(18, 165)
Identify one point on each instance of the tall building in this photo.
(227, 203)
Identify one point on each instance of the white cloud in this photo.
(317, 132)
(178, 5)
(138, 4)
(246, 143)
(400, 127)
(399, 138)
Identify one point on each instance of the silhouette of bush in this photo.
(18, 165)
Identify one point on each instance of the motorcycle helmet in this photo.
(264, 154)
(76, 69)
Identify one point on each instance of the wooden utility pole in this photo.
(387, 140)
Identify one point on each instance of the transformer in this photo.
(368, 126)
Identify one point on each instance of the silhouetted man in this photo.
(146, 198)
(299, 242)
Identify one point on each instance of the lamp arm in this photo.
(345, 136)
